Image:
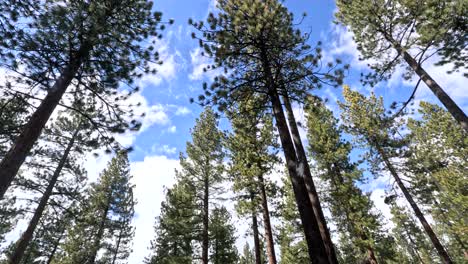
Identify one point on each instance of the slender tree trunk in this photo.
(100, 233)
(258, 254)
(371, 256)
(27, 236)
(435, 240)
(444, 98)
(117, 248)
(23, 144)
(56, 245)
(206, 219)
(267, 223)
(304, 170)
(412, 242)
(315, 245)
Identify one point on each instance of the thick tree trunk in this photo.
(206, 219)
(316, 248)
(258, 254)
(267, 223)
(304, 171)
(23, 144)
(100, 233)
(435, 240)
(27, 236)
(444, 98)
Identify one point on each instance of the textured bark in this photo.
(15, 157)
(205, 238)
(27, 236)
(315, 245)
(444, 98)
(444, 256)
(258, 254)
(304, 171)
(267, 223)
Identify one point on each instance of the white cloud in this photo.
(166, 71)
(199, 63)
(150, 176)
(172, 129)
(182, 110)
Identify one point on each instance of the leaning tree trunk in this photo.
(304, 169)
(316, 248)
(267, 223)
(435, 240)
(117, 247)
(258, 254)
(444, 98)
(27, 236)
(205, 238)
(23, 144)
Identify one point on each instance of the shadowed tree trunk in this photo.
(304, 169)
(27, 236)
(100, 233)
(258, 254)
(267, 223)
(23, 144)
(206, 219)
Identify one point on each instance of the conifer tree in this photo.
(389, 31)
(247, 256)
(70, 43)
(263, 55)
(252, 159)
(203, 167)
(365, 118)
(352, 210)
(102, 221)
(437, 157)
(222, 237)
(176, 226)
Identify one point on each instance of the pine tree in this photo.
(204, 170)
(102, 222)
(351, 209)
(252, 159)
(439, 178)
(80, 51)
(176, 226)
(263, 55)
(365, 118)
(247, 256)
(387, 32)
(222, 237)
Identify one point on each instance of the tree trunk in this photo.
(435, 240)
(56, 245)
(206, 219)
(100, 233)
(315, 245)
(258, 254)
(117, 248)
(304, 171)
(27, 236)
(23, 144)
(444, 98)
(267, 223)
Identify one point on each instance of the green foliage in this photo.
(222, 237)
(175, 227)
(426, 26)
(248, 256)
(352, 210)
(103, 220)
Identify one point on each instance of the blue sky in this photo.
(165, 99)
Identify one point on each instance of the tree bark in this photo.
(444, 256)
(23, 144)
(205, 238)
(315, 245)
(27, 236)
(258, 254)
(444, 98)
(304, 171)
(56, 245)
(117, 248)
(267, 223)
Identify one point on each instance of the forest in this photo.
(276, 148)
